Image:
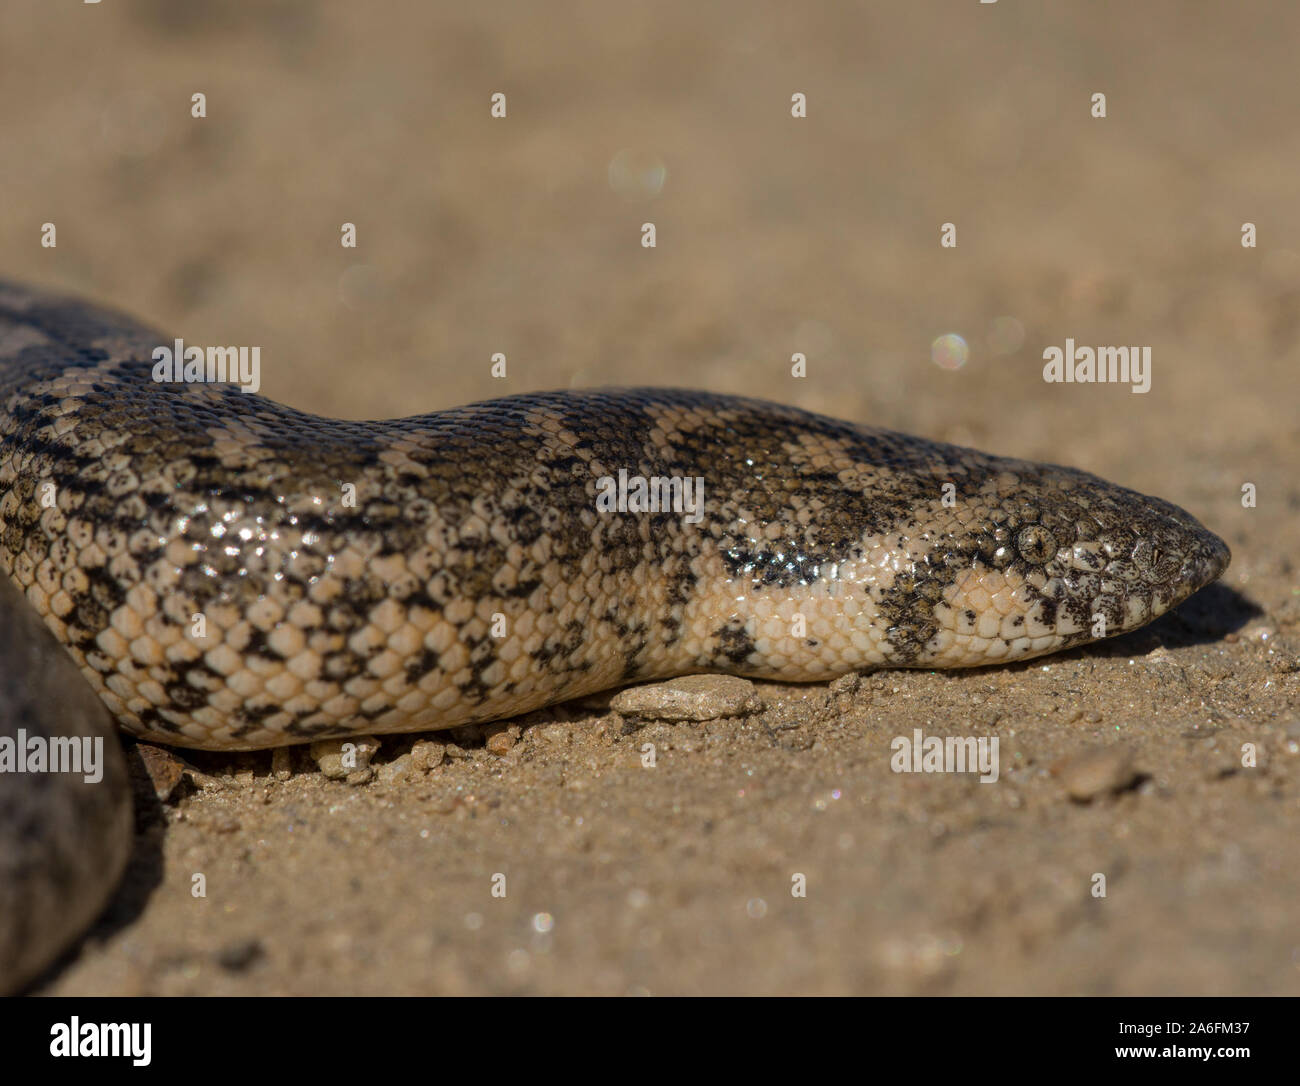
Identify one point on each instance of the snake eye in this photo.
(1156, 563)
(1036, 544)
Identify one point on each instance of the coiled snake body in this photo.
(227, 572)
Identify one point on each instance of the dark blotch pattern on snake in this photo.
(230, 573)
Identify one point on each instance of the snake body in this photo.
(229, 573)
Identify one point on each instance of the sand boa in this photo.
(229, 573)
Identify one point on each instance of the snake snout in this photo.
(1205, 561)
(1177, 556)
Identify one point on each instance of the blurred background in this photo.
(775, 235)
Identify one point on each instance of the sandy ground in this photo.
(775, 235)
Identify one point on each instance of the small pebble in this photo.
(398, 770)
(692, 697)
(1096, 772)
(501, 737)
(236, 957)
(329, 755)
(462, 749)
(428, 754)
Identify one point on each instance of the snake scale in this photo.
(229, 573)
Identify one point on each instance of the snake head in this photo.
(1058, 558)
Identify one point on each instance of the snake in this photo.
(200, 566)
